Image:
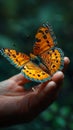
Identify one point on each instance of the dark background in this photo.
(19, 21)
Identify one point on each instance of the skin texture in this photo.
(18, 105)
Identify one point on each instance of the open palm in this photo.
(18, 105)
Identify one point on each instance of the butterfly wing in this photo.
(45, 39)
(30, 70)
(53, 60)
(16, 58)
(44, 47)
(33, 72)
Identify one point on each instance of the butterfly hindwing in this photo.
(45, 39)
(16, 58)
(33, 72)
(53, 59)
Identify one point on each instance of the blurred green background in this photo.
(19, 21)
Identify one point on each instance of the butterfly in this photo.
(45, 59)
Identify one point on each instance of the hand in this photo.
(18, 105)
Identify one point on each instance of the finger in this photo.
(66, 63)
(52, 85)
(20, 79)
(58, 77)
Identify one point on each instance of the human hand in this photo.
(18, 105)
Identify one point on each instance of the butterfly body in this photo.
(39, 61)
(43, 62)
(35, 59)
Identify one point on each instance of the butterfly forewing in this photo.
(16, 58)
(45, 39)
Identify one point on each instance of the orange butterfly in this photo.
(45, 60)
